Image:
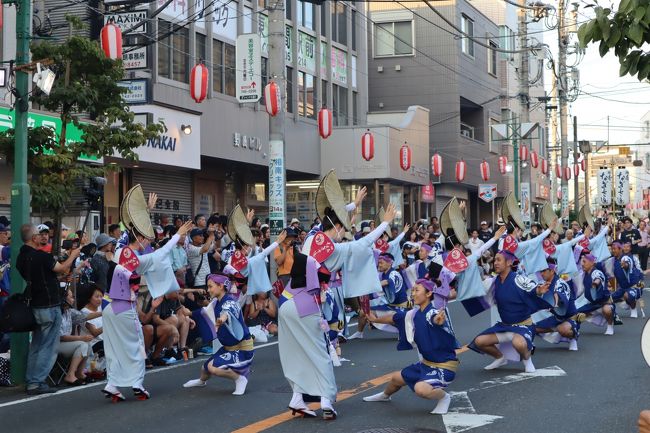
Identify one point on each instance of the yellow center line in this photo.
(283, 417)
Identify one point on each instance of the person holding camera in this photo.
(40, 269)
(202, 242)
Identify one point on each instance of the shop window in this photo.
(306, 95)
(256, 191)
(173, 52)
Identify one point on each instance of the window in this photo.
(492, 58)
(305, 14)
(306, 95)
(223, 67)
(173, 52)
(217, 66)
(287, 9)
(200, 53)
(323, 19)
(323, 93)
(289, 101)
(261, 4)
(507, 38)
(492, 144)
(339, 105)
(339, 23)
(467, 44)
(265, 76)
(355, 108)
(354, 30)
(394, 39)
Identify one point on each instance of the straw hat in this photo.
(510, 211)
(380, 219)
(135, 213)
(585, 217)
(452, 223)
(547, 216)
(238, 226)
(329, 194)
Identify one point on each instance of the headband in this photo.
(220, 279)
(386, 258)
(590, 257)
(617, 244)
(508, 255)
(426, 246)
(427, 284)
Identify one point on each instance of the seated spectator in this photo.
(262, 311)
(171, 311)
(115, 231)
(158, 338)
(92, 302)
(75, 347)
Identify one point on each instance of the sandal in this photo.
(329, 414)
(303, 412)
(115, 397)
(77, 382)
(141, 394)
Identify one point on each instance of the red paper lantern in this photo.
(558, 171)
(461, 169)
(405, 157)
(436, 165)
(567, 173)
(534, 159)
(368, 146)
(544, 166)
(503, 162)
(199, 82)
(583, 164)
(523, 153)
(485, 170)
(576, 170)
(325, 122)
(111, 41)
(272, 98)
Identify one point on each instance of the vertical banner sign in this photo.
(604, 177)
(525, 203)
(277, 184)
(622, 187)
(428, 193)
(249, 68)
(565, 202)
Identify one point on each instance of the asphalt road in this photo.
(600, 388)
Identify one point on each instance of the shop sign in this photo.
(307, 52)
(136, 91)
(127, 20)
(249, 68)
(543, 191)
(246, 142)
(428, 193)
(339, 66)
(134, 58)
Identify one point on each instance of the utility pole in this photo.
(20, 194)
(562, 84)
(524, 98)
(277, 166)
(576, 185)
(553, 155)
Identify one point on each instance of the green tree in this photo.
(85, 93)
(624, 30)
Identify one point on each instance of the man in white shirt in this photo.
(474, 243)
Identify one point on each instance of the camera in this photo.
(70, 244)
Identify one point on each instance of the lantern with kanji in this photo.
(558, 171)
(436, 165)
(461, 170)
(503, 162)
(111, 41)
(199, 82)
(576, 169)
(523, 153)
(272, 98)
(534, 159)
(485, 170)
(567, 173)
(405, 157)
(325, 122)
(544, 164)
(583, 163)
(368, 146)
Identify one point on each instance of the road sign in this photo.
(249, 68)
(487, 191)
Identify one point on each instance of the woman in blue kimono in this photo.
(517, 298)
(233, 360)
(431, 331)
(597, 297)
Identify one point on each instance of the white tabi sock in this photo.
(499, 362)
(633, 313)
(111, 389)
(573, 344)
(610, 330)
(325, 403)
(240, 385)
(377, 397)
(443, 405)
(296, 401)
(194, 383)
(528, 365)
(356, 335)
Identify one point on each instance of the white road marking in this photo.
(463, 417)
(157, 370)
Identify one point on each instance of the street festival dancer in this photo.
(629, 278)
(431, 331)
(303, 346)
(122, 332)
(223, 319)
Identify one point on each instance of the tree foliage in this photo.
(86, 94)
(624, 30)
